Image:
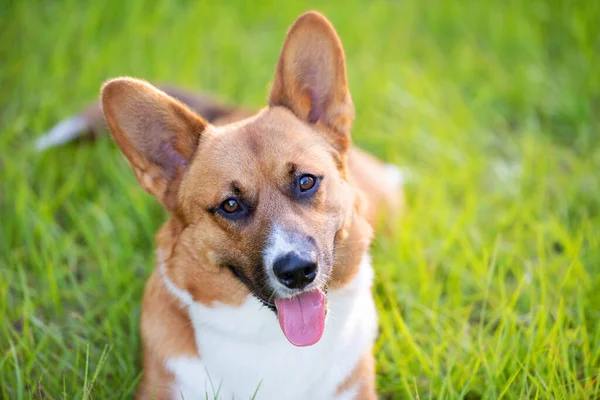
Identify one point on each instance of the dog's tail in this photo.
(90, 122)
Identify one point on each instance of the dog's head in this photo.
(264, 200)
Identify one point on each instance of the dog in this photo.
(262, 287)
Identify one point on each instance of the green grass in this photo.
(490, 287)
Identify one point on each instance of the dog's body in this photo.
(271, 219)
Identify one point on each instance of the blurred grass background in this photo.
(490, 287)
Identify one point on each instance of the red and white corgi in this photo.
(263, 280)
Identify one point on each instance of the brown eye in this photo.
(233, 209)
(230, 206)
(306, 182)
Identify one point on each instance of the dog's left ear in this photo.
(310, 79)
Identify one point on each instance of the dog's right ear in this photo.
(157, 134)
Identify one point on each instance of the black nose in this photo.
(294, 271)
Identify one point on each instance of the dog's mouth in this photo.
(301, 316)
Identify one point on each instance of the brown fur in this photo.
(362, 379)
(191, 165)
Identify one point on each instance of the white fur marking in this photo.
(279, 244)
(395, 174)
(61, 133)
(188, 372)
(243, 349)
(182, 295)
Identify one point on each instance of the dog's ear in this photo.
(157, 134)
(311, 81)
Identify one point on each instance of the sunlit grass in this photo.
(488, 288)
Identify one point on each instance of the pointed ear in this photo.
(310, 78)
(157, 134)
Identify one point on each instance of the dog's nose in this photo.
(294, 271)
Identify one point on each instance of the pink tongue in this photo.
(302, 317)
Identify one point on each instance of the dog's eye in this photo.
(230, 206)
(305, 186)
(307, 182)
(233, 209)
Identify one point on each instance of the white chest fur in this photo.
(243, 352)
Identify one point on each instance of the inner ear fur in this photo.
(310, 78)
(157, 134)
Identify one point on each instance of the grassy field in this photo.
(490, 286)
